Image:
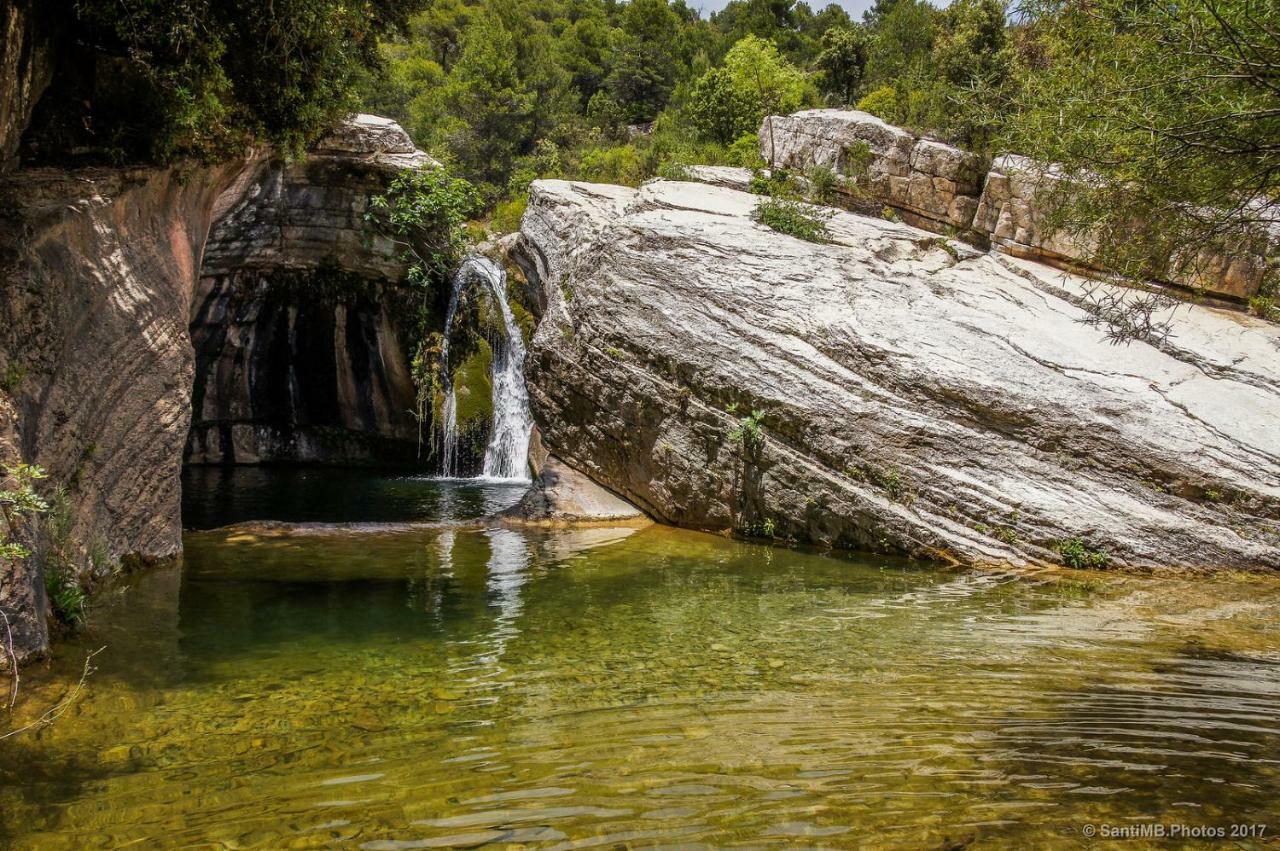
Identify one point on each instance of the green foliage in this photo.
(19, 502)
(424, 212)
(1075, 553)
(794, 218)
(843, 61)
(1165, 120)
(745, 152)
(881, 102)
(62, 584)
(750, 429)
(823, 183)
(485, 111)
(620, 164)
(732, 100)
(507, 215)
(191, 78)
(902, 41)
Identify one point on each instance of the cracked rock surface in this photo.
(914, 395)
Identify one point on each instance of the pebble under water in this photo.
(623, 688)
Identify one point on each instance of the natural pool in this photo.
(616, 688)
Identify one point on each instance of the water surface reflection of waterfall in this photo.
(507, 455)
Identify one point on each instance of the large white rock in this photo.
(918, 396)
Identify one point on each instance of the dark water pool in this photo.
(219, 496)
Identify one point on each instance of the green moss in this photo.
(474, 385)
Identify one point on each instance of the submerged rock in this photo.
(891, 390)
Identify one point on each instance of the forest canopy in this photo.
(1175, 106)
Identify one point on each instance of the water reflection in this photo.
(220, 496)
(632, 687)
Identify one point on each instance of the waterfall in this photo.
(507, 455)
(449, 416)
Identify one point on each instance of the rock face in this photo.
(26, 68)
(942, 188)
(561, 496)
(98, 270)
(913, 395)
(933, 185)
(300, 324)
(102, 276)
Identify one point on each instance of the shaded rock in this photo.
(915, 396)
(300, 323)
(101, 272)
(26, 69)
(561, 495)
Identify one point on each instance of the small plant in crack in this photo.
(750, 429)
(1075, 553)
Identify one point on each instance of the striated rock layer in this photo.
(103, 272)
(943, 188)
(913, 395)
(98, 270)
(300, 321)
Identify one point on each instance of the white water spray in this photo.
(507, 455)
(449, 416)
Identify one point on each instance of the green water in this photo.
(622, 688)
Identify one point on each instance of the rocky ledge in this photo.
(891, 390)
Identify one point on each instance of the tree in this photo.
(754, 81)
(720, 109)
(973, 43)
(486, 111)
(1164, 120)
(645, 64)
(843, 61)
(194, 78)
(902, 39)
(778, 86)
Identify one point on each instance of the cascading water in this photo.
(507, 455)
(449, 416)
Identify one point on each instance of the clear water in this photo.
(623, 688)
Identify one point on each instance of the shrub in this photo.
(823, 183)
(1075, 554)
(620, 164)
(794, 219)
(881, 102)
(507, 215)
(745, 152)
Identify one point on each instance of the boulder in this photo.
(561, 496)
(933, 184)
(942, 188)
(892, 390)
